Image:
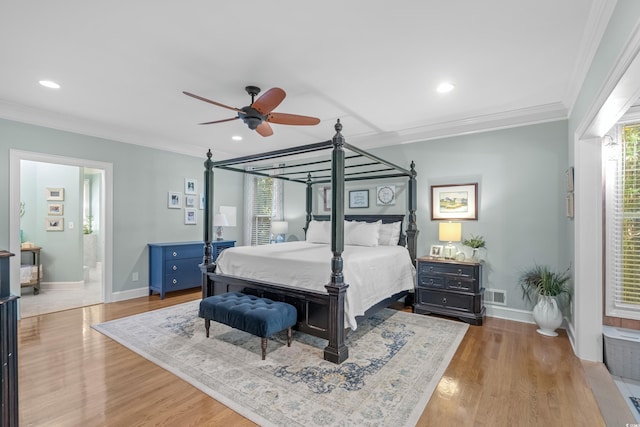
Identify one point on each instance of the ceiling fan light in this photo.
(445, 87)
(236, 138)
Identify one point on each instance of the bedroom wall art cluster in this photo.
(192, 201)
(52, 223)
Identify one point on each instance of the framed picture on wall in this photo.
(190, 216)
(174, 200)
(359, 199)
(55, 194)
(326, 198)
(386, 195)
(190, 201)
(190, 186)
(459, 201)
(54, 224)
(55, 209)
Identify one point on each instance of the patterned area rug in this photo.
(636, 403)
(396, 360)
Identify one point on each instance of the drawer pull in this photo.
(174, 268)
(430, 281)
(175, 281)
(175, 253)
(430, 269)
(459, 272)
(444, 300)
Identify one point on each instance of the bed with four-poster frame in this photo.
(321, 312)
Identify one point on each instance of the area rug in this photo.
(396, 360)
(636, 403)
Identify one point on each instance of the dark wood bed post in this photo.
(336, 351)
(309, 205)
(207, 265)
(412, 227)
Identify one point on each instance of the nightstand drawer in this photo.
(461, 285)
(445, 299)
(177, 252)
(456, 269)
(431, 281)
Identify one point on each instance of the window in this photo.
(622, 168)
(264, 203)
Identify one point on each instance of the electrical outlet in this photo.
(134, 276)
(71, 225)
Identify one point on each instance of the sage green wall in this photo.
(521, 194)
(61, 250)
(141, 179)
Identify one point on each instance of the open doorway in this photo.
(60, 231)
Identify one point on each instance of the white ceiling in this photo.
(374, 64)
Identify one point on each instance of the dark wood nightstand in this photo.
(451, 288)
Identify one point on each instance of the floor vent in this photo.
(495, 296)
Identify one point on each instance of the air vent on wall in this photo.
(495, 296)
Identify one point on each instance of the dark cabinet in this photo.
(451, 288)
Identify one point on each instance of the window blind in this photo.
(262, 211)
(623, 224)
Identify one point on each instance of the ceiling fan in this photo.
(260, 113)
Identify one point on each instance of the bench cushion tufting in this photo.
(258, 316)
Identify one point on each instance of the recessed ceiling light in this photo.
(236, 138)
(49, 84)
(445, 87)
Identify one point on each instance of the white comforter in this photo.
(372, 273)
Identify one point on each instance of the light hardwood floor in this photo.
(503, 374)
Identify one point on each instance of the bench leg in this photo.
(207, 324)
(289, 337)
(263, 344)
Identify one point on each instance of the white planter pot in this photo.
(547, 315)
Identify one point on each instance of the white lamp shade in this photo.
(220, 220)
(450, 231)
(279, 227)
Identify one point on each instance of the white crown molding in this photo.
(597, 22)
(64, 122)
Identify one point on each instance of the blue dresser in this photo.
(175, 266)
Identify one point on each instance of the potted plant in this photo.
(474, 242)
(549, 291)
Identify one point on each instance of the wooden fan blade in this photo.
(292, 119)
(269, 100)
(211, 102)
(264, 129)
(219, 121)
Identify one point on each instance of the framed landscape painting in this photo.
(458, 201)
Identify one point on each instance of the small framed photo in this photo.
(55, 194)
(436, 251)
(54, 224)
(190, 216)
(386, 195)
(190, 186)
(55, 209)
(570, 206)
(326, 197)
(190, 201)
(359, 199)
(454, 201)
(174, 200)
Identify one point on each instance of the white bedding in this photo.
(372, 273)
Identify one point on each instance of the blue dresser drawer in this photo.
(175, 266)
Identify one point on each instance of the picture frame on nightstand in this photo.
(436, 251)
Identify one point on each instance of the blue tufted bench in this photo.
(258, 316)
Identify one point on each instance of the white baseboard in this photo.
(518, 315)
(130, 294)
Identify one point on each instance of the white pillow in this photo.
(319, 232)
(389, 234)
(361, 233)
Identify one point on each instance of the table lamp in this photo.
(278, 230)
(449, 232)
(220, 220)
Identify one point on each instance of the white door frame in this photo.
(106, 207)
